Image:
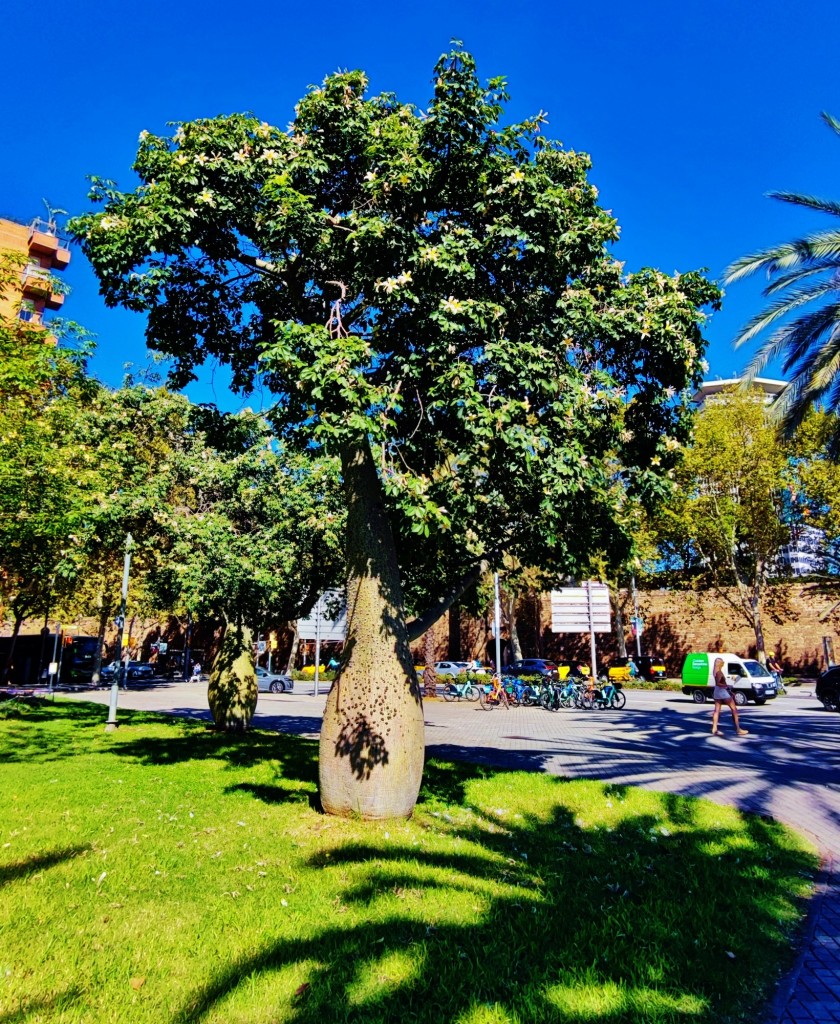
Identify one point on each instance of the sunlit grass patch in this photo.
(166, 873)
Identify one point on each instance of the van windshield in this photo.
(755, 668)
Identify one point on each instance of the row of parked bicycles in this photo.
(512, 692)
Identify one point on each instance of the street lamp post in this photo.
(119, 672)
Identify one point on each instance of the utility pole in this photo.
(497, 624)
(119, 673)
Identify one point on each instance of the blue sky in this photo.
(691, 110)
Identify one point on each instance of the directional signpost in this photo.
(583, 609)
(327, 621)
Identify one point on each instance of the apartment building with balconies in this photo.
(44, 253)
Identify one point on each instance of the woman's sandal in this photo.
(743, 732)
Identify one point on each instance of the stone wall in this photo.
(797, 616)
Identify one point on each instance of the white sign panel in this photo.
(583, 609)
(331, 609)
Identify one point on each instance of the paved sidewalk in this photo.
(788, 768)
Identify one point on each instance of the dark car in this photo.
(828, 688)
(531, 667)
(134, 670)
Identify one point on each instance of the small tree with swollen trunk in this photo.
(430, 297)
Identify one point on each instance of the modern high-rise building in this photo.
(767, 388)
(44, 252)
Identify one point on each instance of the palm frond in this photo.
(801, 343)
(812, 202)
(814, 373)
(783, 307)
(794, 276)
(832, 122)
(794, 340)
(807, 250)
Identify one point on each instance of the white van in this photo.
(748, 679)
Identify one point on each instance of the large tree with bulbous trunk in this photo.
(430, 296)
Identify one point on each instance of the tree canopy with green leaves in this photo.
(730, 515)
(430, 296)
(43, 499)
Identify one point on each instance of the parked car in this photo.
(532, 667)
(573, 668)
(828, 688)
(451, 668)
(273, 682)
(649, 666)
(748, 679)
(134, 670)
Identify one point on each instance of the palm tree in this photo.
(801, 272)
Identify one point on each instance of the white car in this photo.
(273, 682)
(451, 668)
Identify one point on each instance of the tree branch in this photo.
(417, 627)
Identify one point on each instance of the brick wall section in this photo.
(797, 617)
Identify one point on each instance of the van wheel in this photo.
(740, 698)
(698, 696)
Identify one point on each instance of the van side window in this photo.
(735, 670)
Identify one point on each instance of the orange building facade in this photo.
(44, 253)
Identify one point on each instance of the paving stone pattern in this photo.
(787, 767)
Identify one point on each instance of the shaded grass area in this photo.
(167, 873)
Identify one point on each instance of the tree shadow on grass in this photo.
(42, 1009)
(23, 868)
(526, 913)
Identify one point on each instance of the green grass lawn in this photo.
(167, 873)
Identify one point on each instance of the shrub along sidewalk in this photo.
(168, 873)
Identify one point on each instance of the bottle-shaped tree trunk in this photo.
(232, 689)
(372, 737)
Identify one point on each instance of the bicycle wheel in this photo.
(487, 701)
(449, 692)
(550, 700)
(473, 693)
(618, 700)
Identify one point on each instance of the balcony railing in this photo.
(48, 227)
(37, 278)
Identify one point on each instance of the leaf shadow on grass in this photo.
(553, 896)
(34, 737)
(23, 868)
(42, 1009)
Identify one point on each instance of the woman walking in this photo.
(723, 695)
